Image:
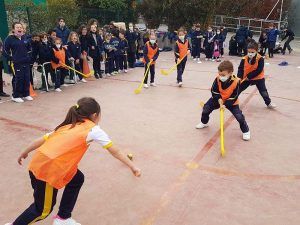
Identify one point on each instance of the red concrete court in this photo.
(184, 181)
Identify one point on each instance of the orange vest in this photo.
(151, 52)
(61, 55)
(56, 161)
(183, 49)
(226, 93)
(248, 68)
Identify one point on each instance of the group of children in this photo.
(210, 42)
(55, 163)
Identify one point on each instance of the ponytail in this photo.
(84, 108)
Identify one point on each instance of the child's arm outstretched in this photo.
(33, 146)
(115, 152)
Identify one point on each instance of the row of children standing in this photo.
(210, 42)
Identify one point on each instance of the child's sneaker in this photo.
(246, 136)
(125, 71)
(8, 224)
(272, 106)
(146, 86)
(17, 100)
(199, 61)
(65, 85)
(180, 84)
(201, 125)
(69, 221)
(28, 98)
(194, 59)
(58, 90)
(108, 75)
(153, 85)
(206, 59)
(83, 80)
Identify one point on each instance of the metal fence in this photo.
(254, 25)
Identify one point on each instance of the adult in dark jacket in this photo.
(241, 37)
(17, 49)
(131, 37)
(289, 34)
(62, 31)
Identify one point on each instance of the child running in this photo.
(150, 53)
(55, 163)
(182, 49)
(251, 70)
(225, 92)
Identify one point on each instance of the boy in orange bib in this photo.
(225, 92)
(251, 72)
(55, 163)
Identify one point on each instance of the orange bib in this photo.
(248, 68)
(151, 52)
(61, 55)
(56, 161)
(226, 93)
(183, 49)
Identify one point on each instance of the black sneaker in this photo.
(290, 51)
(3, 94)
(96, 76)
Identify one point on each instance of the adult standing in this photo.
(241, 37)
(62, 31)
(290, 35)
(131, 37)
(272, 38)
(18, 51)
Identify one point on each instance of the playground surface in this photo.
(184, 180)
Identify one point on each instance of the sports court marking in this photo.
(23, 125)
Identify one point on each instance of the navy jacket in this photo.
(272, 35)
(108, 49)
(63, 33)
(131, 37)
(242, 35)
(43, 53)
(115, 42)
(17, 50)
(98, 46)
(196, 41)
(208, 36)
(84, 43)
(221, 38)
(123, 46)
(74, 50)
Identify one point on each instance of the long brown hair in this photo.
(84, 108)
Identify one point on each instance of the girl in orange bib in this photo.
(55, 163)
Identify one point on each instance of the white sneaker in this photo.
(199, 61)
(83, 80)
(153, 85)
(72, 81)
(125, 71)
(213, 60)
(18, 100)
(58, 90)
(146, 86)
(246, 136)
(108, 75)
(272, 106)
(69, 221)
(194, 59)
(65, 85)
(28, 98)
(8, 224)
(180, 84)
(206, 59)
(201, 125)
